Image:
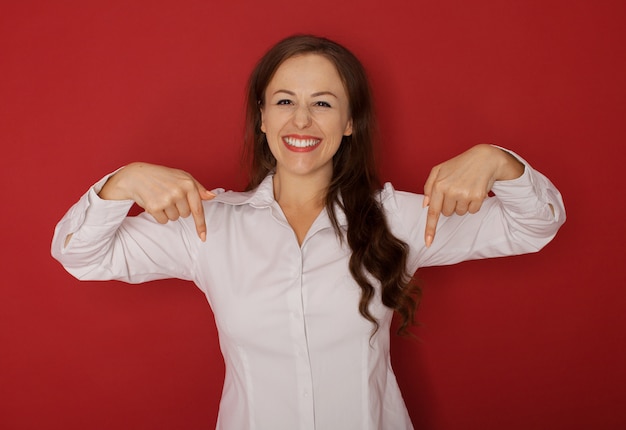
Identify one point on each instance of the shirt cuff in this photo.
(91, 212)
(532, 192)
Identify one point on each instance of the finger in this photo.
(434, 211)
(183, 208)
(449, 205)
(204, 193)
(477, 201)
(428, 186)
(172, 213)
(160, 217)
(461, 208)
(197, 211)
(475, 206)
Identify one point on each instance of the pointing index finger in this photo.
(197, 211)
(435, 203)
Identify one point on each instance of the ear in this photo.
(262, 120)
(348, 130)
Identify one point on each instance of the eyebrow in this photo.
(317, 94)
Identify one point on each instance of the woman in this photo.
(304, 270)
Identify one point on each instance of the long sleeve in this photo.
(519, 219)
(107, 244)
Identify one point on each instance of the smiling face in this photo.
(305, 115)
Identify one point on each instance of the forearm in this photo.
(85, 233)
(524, 216)
(96, 240)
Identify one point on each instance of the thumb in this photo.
(207, 195)
(204, 193)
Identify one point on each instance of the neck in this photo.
(296, 191)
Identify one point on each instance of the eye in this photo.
(322, 104)
(283, 102)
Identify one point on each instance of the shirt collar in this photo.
(263, 197)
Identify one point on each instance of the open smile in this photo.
(301, 143)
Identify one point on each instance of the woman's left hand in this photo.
(461, 184)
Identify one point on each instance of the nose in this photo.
(302, 117)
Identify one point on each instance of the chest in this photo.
(261, 282)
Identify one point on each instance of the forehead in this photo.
(307, 71)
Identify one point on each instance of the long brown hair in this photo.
(354, 185)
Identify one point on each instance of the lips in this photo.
(301, 143)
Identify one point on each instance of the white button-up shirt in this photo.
(298, 354)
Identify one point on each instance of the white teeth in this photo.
(301, 143)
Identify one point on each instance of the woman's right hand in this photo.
(163, 192)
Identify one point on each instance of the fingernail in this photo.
(429, 241)
(426, 201)
(203, 236)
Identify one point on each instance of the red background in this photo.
(530, 342)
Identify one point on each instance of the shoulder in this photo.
(404, 212)
(393, 200)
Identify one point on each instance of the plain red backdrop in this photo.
(530, 342)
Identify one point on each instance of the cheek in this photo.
(341, 128)
(271, 122)
(272, 136)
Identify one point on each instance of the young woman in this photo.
(305, 269)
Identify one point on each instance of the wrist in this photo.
(509, 166)
(113, 188)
